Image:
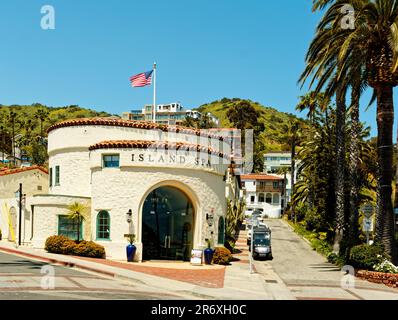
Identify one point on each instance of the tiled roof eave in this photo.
(144, 144)
(130, 124)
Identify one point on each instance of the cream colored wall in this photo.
(46, 211)
(68, 148)
(118, 190)
(74, 173)
(30, 180)
(84, 136)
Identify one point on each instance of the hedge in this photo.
(64, 245)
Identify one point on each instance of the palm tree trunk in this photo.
(340, 165)
(353, 166)
(385, 120)
(292, 173)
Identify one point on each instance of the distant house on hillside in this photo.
(167, 114)
(263, 192)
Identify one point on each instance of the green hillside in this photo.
(28, 123)
(275, 122)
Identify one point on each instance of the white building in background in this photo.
(274, 161)
(168, 114)
(263, 192)
(171, 183)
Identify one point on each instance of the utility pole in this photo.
(20, 214)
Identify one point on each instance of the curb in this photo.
(306, 240)
(59, 262)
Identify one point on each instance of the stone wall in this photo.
(387, 279)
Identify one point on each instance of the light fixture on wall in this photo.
(129, 215)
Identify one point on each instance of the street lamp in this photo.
(129, 215)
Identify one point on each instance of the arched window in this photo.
(261, 198)
(276, 198)
(268, 198)
(103, 225)
(221, 231)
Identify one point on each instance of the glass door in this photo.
(167, 225)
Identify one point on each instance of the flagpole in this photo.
(154, 92)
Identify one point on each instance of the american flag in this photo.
(142, 79)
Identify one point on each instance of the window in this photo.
(262, 184)
(252, 199)
(261, 198)
(69, 228)
(57, 175)
(111, 161)
(276, 184)
(275, 198)
(268, 198)
(39, 188)
(103, 225)
(51, 177)
(221, 231)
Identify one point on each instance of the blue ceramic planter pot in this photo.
(130, 250)
(208, 255)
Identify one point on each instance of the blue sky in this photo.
(205, 50)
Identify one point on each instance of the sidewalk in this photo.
(232, 282)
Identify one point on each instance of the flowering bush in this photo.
(386, 267)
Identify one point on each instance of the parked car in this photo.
(262, 243)
(261, 226)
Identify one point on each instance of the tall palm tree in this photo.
(376, 37)
(12, 118)
(42, 115)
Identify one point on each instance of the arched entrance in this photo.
(167, 225)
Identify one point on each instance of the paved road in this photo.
(307, 274)
(21, 278)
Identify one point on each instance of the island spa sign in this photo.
(172, 158)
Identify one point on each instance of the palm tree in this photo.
(333, 53)
(284, 171)
(76, 213)
(12, 118)
(42, 115)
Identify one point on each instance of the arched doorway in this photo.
(167, 225)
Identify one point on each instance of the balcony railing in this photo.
(269, 189)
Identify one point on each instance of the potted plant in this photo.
(208, 253)
(131, 248)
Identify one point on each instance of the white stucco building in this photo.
(263, 192)
(34, 180)
(275, 161)
(172, 180)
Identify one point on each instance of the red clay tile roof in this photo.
(259, 177)
(129, 123)
(144, 144)
(7, 171)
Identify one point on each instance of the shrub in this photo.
(64, 245)
(59, 244)
(315, 220)
(366, 257)
(89, 249)
(222, 256)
